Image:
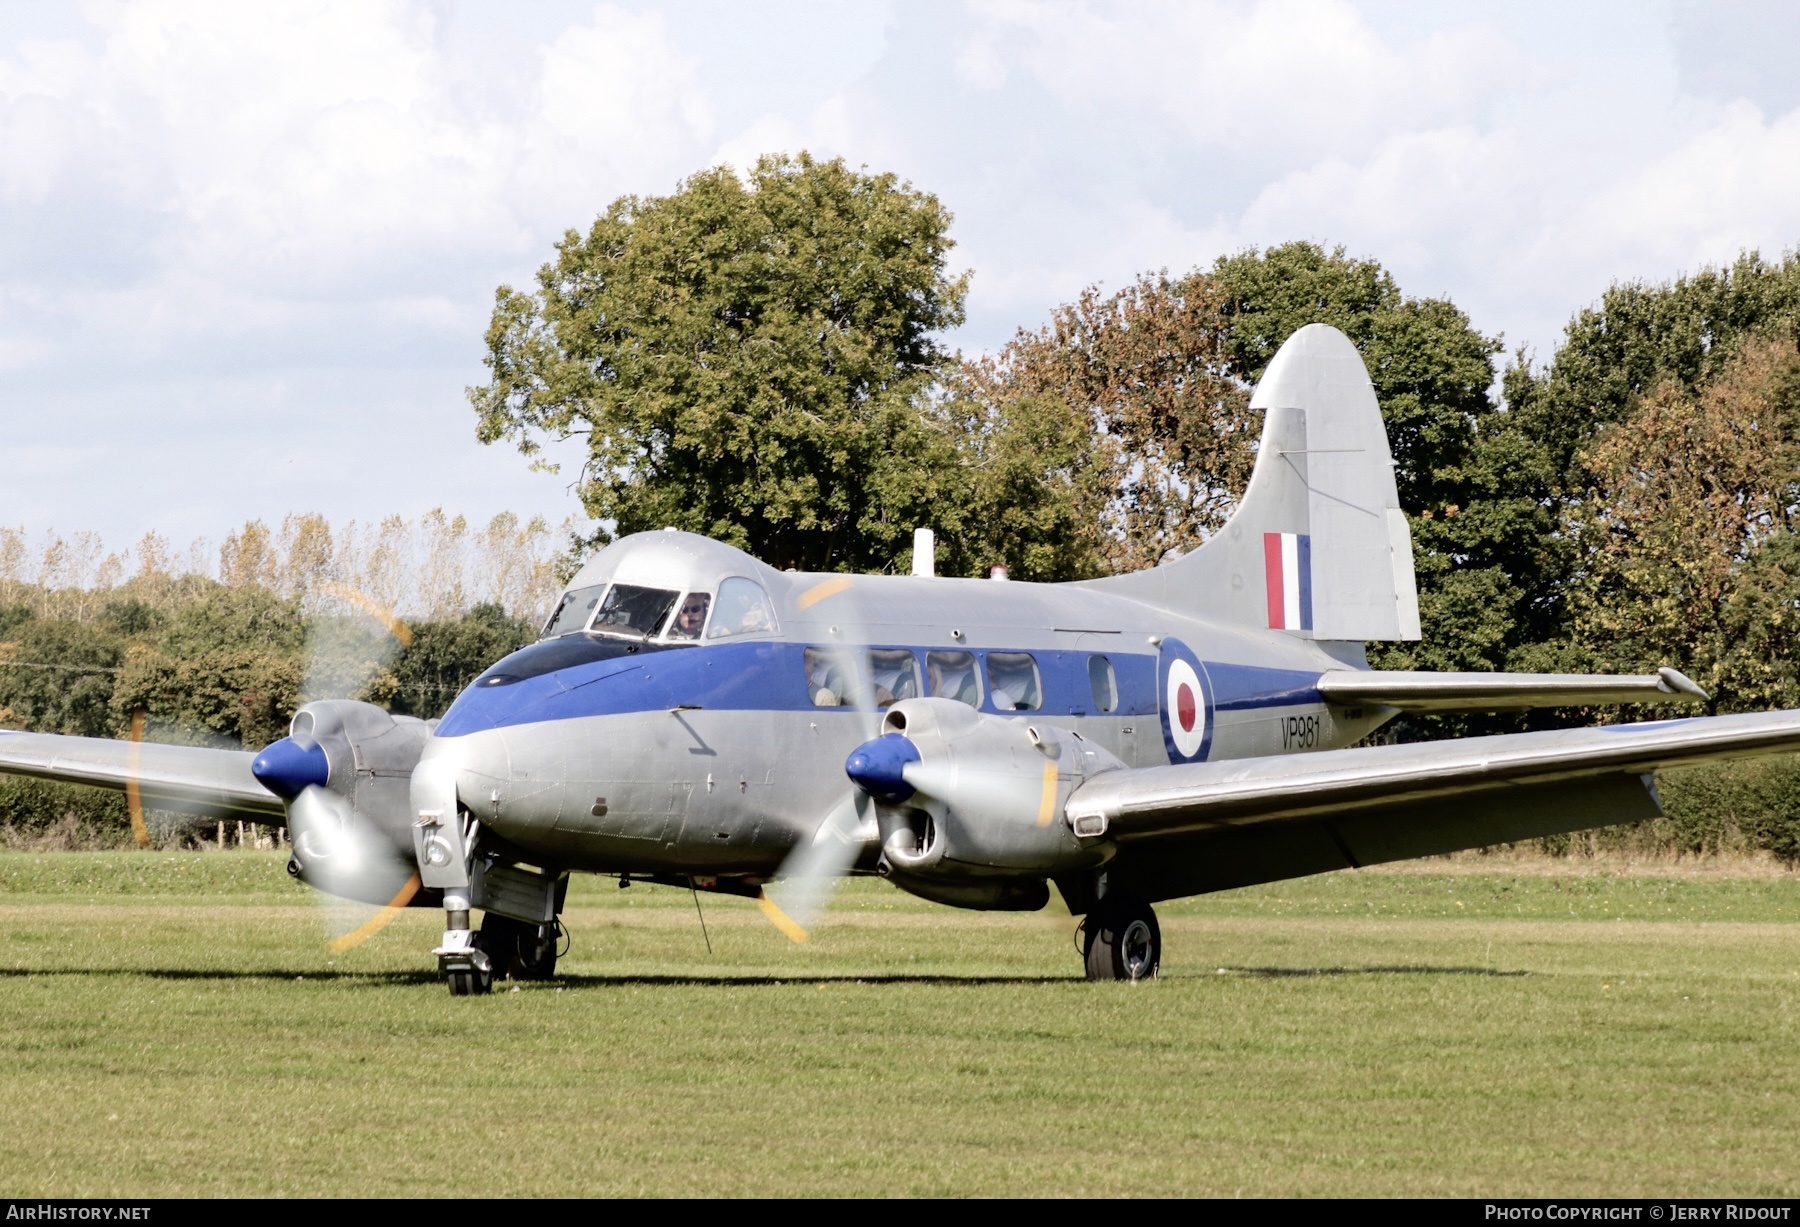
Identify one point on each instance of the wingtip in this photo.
(1677, 682)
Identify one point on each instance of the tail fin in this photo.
(1319, 546)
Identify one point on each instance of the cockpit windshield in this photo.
(634, 611)
(573, 611)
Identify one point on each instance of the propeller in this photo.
(350, 864)
(811, 872)
(364, 881)
(134, 798)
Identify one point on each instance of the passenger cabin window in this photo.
(952, 675)
(573, 611)
(690, 616)
(1104, 682)
(1013, 681)
(827, 678)
(743, 609)
(896, 676)
(832, 679)
(631, 610)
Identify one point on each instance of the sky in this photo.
(248, 252)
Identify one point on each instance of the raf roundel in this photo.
(1185, 709)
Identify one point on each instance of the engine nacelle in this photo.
(344, 772)
(970, 806)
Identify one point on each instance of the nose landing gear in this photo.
(465, 966)
(1122, 941)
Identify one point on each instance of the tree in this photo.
(227, 666)
(1163, 370)
(1612, 355)
(1686, 537)
(1023, 488)
(745, 357)
(446, 654)
(57, 677)
(1147, 373)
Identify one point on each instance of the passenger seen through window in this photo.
(896, 675)
(952, 676)
(1013, 681)
(827, 680)
(631, 610)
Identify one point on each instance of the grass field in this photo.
(172, 1024)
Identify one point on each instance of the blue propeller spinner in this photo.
(879, 767)
(287, 767)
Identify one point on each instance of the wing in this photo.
(1501, 691)
(1187, 829)
(193, 779)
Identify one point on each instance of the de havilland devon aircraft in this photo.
(691, 716)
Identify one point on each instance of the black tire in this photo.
(1123, 942)
(471, 983)
(516, 950)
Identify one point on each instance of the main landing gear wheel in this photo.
(516, 950)
(1122, 942)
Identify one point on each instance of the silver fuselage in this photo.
(712, 758)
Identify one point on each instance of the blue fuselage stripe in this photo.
(771, 676)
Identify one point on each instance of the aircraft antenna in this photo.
(702, 915)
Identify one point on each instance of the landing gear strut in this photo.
(1122, 941)
(465, 966)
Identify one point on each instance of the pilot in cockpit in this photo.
(690, 617)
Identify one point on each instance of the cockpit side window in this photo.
(573, 611)
(743, 609)
(630, 609)
(690, 616)
(953, 675)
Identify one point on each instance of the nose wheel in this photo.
(464, 965)
(1122, 941)
(470, 983)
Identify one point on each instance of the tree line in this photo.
(220, 648)
(760, 357)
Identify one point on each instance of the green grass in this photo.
(172, 1024)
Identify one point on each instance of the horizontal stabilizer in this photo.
(1479, 692)
(191, 779)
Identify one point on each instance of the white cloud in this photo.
(248, 251)
(255, 244)
(1309, 76)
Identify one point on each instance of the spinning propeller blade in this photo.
(346, 648)
(812, 870)
(134, 798)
